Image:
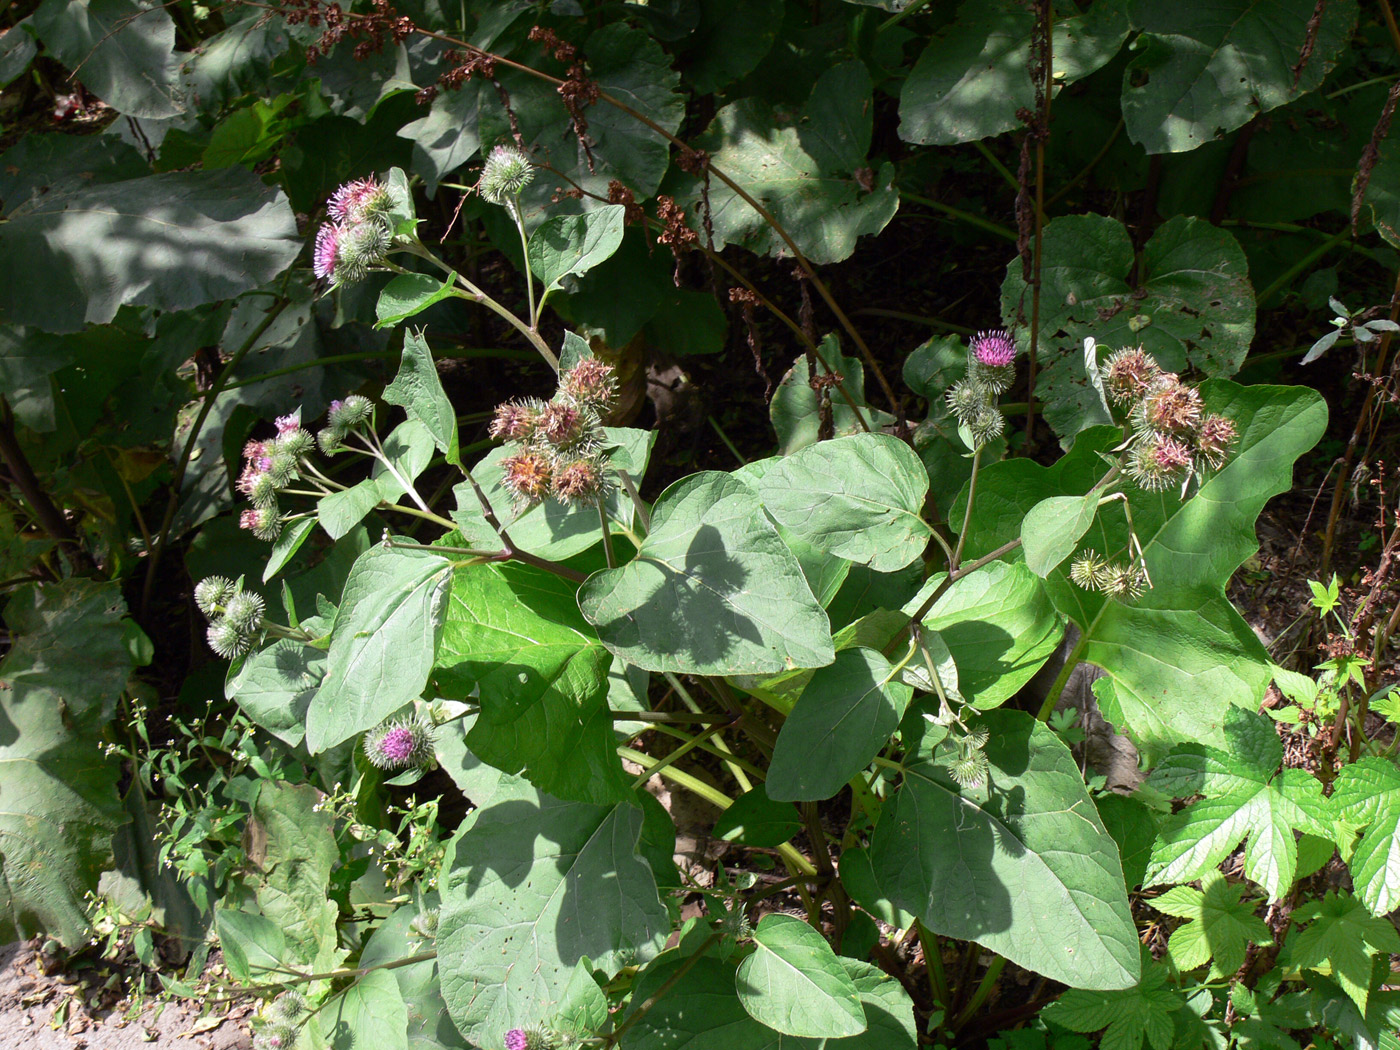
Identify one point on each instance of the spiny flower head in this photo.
(591, 383)
(263, 522)
(994, 349)
(1214, 441)
(244, 610)
(1125, 581)
(515, 421)
(399, 744)
(986, 425)
(1129, 374)
(527, 475)
(360, 200)
(212, 593)
(358, 248)
(1089, 571)
(275, 1037)
(561, 424)
(425, 924)
(350, 413)
(1157, 462)
(532, 1038)
(288, 1006)
(579, 481)
(506, 172)
(258, 485)
(966, 399)
(291, 445)
(969, 770)
(326, 252)
(289, 423)
(1171, 407)
(227, 640)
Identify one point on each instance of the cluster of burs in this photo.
(557, 448)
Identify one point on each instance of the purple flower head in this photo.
(288, 423)
(517, 1039)
(399, 744)
(994, 349)
(356, 201)
(264, 463)
(327, 250)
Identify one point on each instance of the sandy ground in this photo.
(29, 1000)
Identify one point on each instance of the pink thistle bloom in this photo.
(288, 423)
(516, 1039)
(1170, 454)
(327, 250)
(994, 349)
(355, 201)
(398, 743)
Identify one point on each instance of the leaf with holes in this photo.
(808, 170)
(1191, 305)
(1203, 69)
(972, 79)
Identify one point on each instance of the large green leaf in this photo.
(1191, 304)
(429, 1026)
(845, 715)
(274, 687)
(1202, 69)
(702, 1012)
(370, 1012)
(730, 40)
(122, 51)
(172, 241)
(292, 847)
(382, 642)
(712, 559)
(1245, 796)
(538, 884)
(1367, 797)
(795, 984)
(59, 685)
(573, 244)
(971, 80)
(805, 169)
(549, 529)
(514, 633)
(1180, 654)
(446, 138)
(857, 497)
(795, 409)
(999, 626)
(418, 390)
(629, 65)
(1022, 865)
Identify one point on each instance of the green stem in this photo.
(999, 167)
(982, 993)
(963, 216)
(643, 514)
(666, 986)
(715, 797)
(1058, 686)
(525, 256)
(1291, 274)
(675, 756)
(967, 511)
(607, 538)
(664, 717)
(933, 959)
